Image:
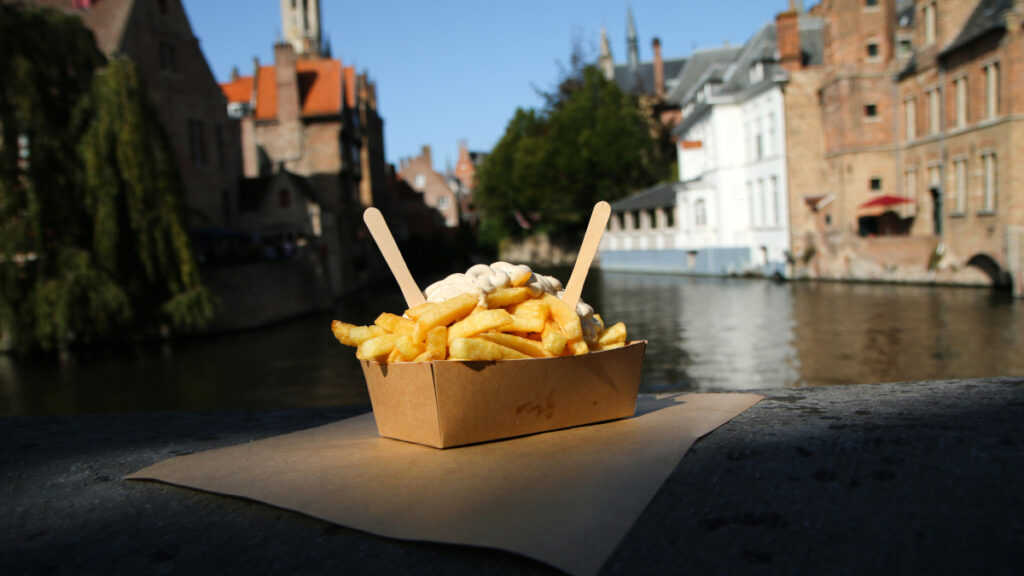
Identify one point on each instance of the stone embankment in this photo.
(911, 478)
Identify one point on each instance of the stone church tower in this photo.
(300, 25)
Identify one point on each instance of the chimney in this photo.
(1014, 17)
(787, 25)
(659, 69)
(426, 156)
(234, 73)
(287, 80)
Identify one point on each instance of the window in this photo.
(934, 112)
(871, 110)
(960, 184)
(758, 141)
(988, 198)
(930, 24)
(420, 181)
(168, 60)
(284, 198)
(750, 200)
(992, 90)
(761, 204)
(775, 201)
(870, 3)
(670, 217)
(197, 142)
(910, 111)
(635, 218)
(872, 50)
(442, 202)
(960, 94)
(905, 47)
(652, 218)
(910, 183)
(935, 176)
(700, 214)
(218, 135)
(770, 143)
(756, 72)
(875, 184)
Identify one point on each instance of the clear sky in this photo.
(448, 70)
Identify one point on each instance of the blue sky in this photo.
(457, 69)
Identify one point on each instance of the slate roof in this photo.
(988, 15)
(812, 39)
(642, 81)
(657, 196)
(695, 68)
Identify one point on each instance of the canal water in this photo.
(704, 334)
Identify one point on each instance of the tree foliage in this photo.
(93, 241)
(590, 142)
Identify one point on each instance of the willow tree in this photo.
(93, 243)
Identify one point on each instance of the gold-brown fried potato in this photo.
(377, 347)
(444, 313)
(565, 316)
(352, 335)
(480, 320)
(616, 333)
(395, 324)
(477, 349)
(531, 348)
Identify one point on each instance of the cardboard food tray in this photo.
(452, 403)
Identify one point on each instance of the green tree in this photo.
(591, 142)
(93, 241)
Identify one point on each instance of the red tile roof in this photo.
(350, 86)
(239, 90)
(320, 88)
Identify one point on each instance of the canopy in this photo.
(877, 206)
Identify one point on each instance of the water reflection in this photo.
(706, 333)
(703, 333)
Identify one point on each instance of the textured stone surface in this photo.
(889, 478)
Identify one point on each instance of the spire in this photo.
(634, 54)
(300, 23)
(604, 61)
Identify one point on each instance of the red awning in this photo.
(885, 201)
(880, 205)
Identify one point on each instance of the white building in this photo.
(728, 213)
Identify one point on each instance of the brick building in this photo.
(962, 132)
(915, 114)
(158, 38)
(465, 172)
(436, 190)
(309, 115)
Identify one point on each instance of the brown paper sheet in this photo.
(565, 498)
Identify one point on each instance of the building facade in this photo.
(729, 212)
(158, 38)
(436, 190)
(920, 124)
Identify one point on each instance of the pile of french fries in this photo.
(514, 323)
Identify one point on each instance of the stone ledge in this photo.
(889, 478)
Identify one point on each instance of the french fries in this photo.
(513, 323)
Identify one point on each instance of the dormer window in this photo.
(756, 72)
